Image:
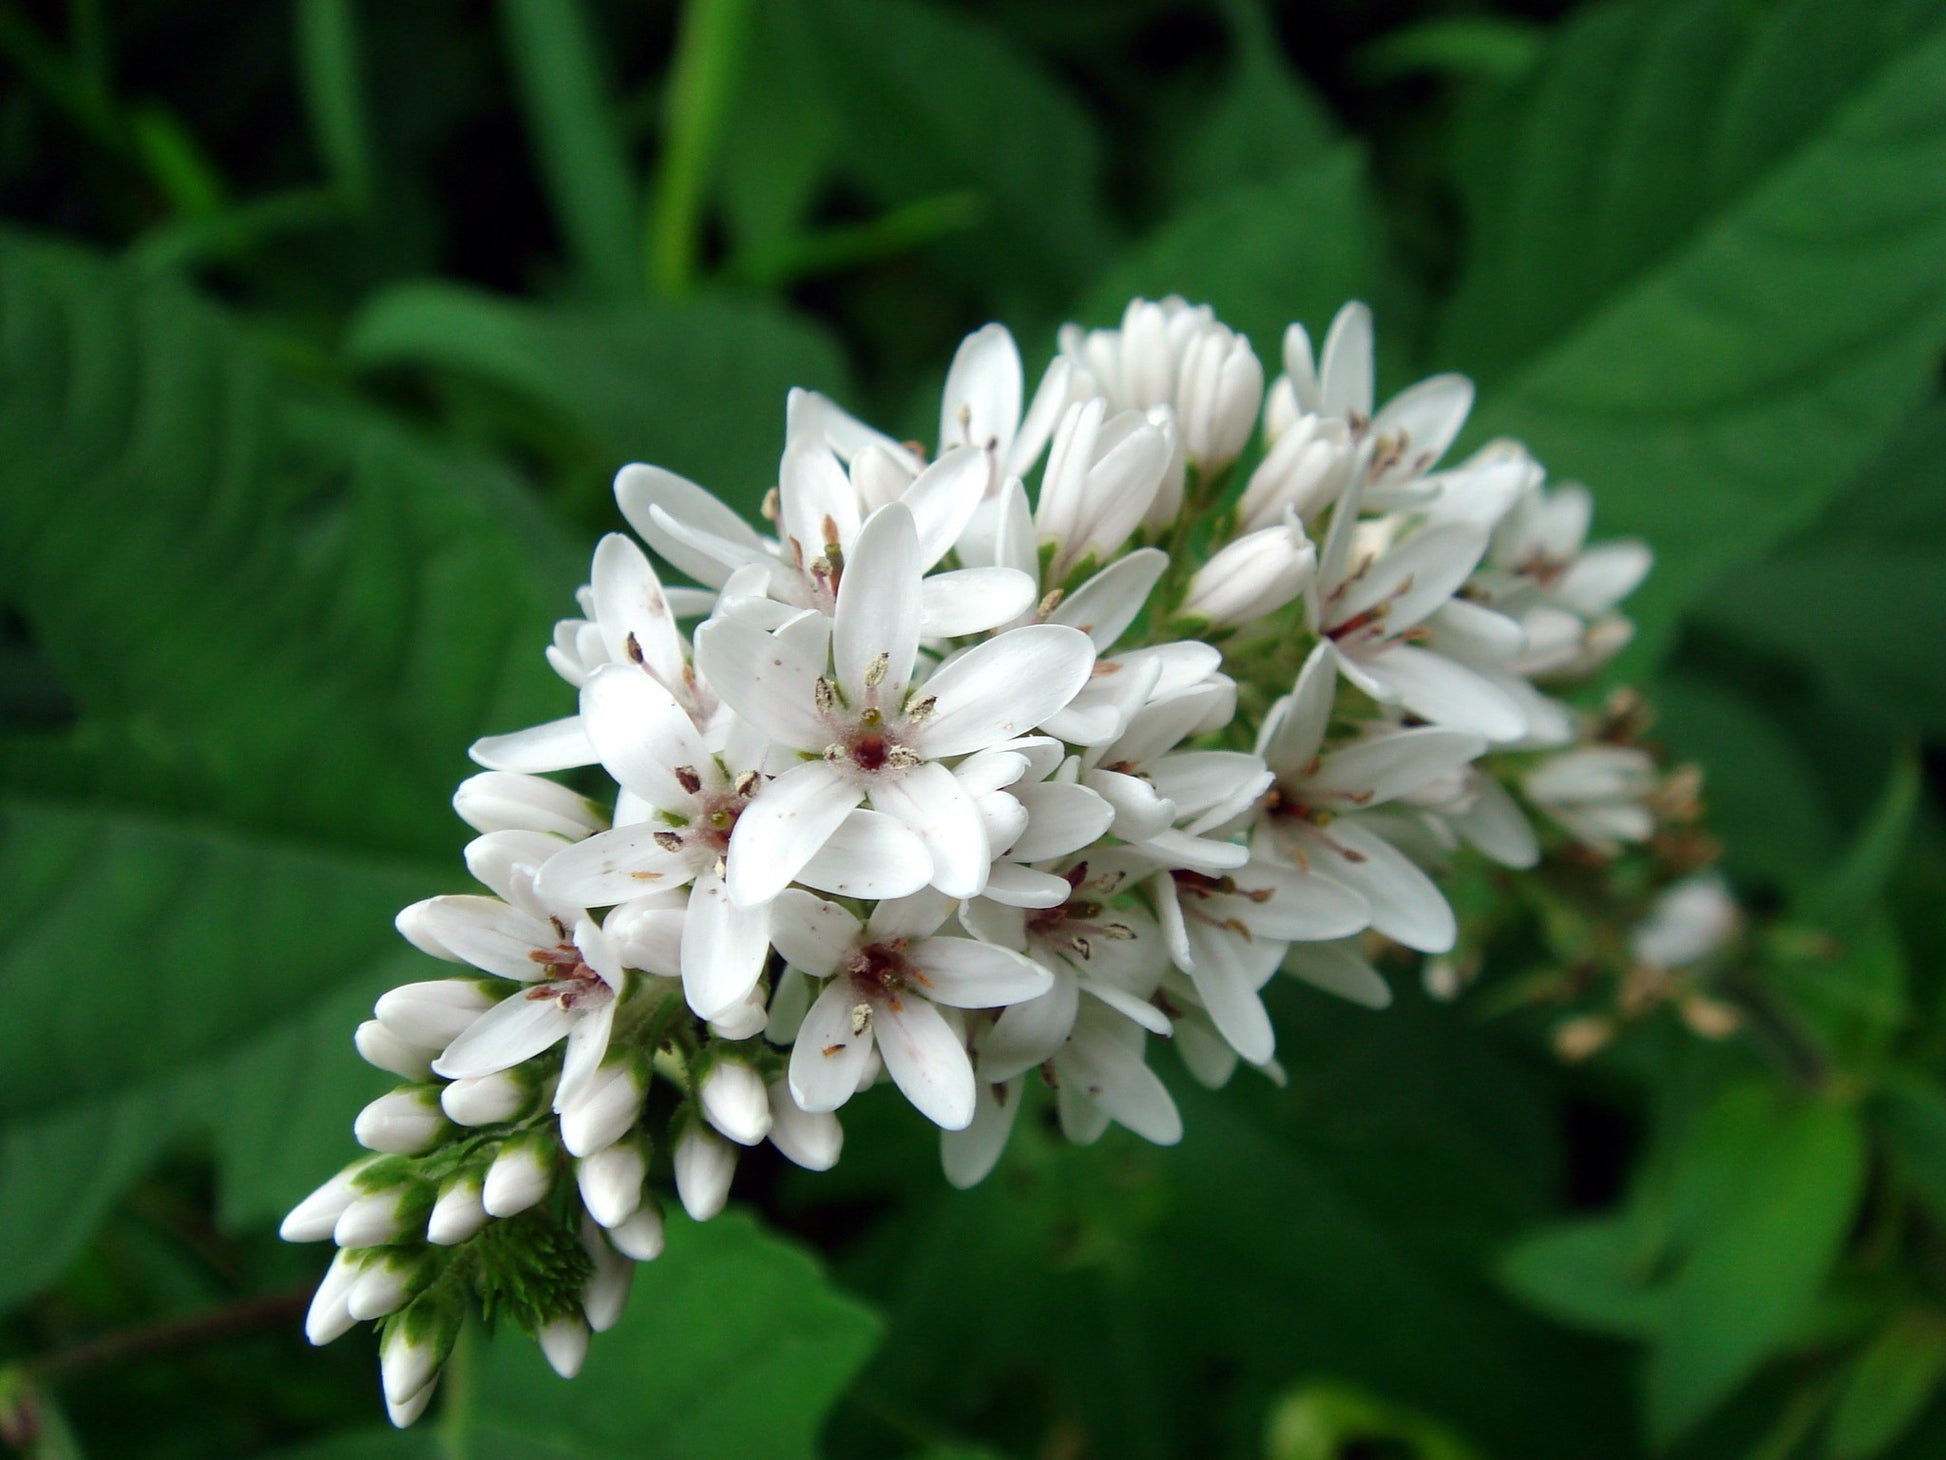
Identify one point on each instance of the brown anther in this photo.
(1240, 928)
(830, 529)
(687, 778)
(875, 673)
(920, 709)
(669, 841)
(903, 758)
(747, 783)
(831, 1049)
(771, 505)
(632, 646)
(824, 695)
(861, 1019)
(1083, 949)
(1051, 602)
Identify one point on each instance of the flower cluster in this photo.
(972, 787)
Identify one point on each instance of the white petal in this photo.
(783, 826)
(933, 805)
(925, 1058)
(1140, 812)
(1338, 969)
(815, 936)
(1013, 885)
(1447, 692)
(968, 1155)
(918, 916)
(1303, 907)
(724, 947)
(1427, 416)
(611, 867)
(829, 1055)
(877, 616)
(968, 974)
(766, 680)
(1497, 825)
(1042, 412)
(809, 414)
(1344, 385)
(1406, 905)
(558, 745)
(1229, 991)
(981, 403)
(1104, 606)
(973, 600)
(1603, 576)
(1372, 771)
(486, 933)
(1060, 819)
(944, 497)
(1029, 1033)
(516, 1029)
(1115, 1078)
(641, 490)
(1415, 577)
(636, 621)
(1003, 688)
(870, 855)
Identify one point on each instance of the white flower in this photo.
(1313, 814)
(1599, 793)
(981, 403)
(1103, 473)
(1306, 468)
(704, 1167)
(879, 733)
(888, 979)
(1689, 921)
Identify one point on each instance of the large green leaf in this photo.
(1705, 266)
(280, 621)
(698, 387)
(734, 1345)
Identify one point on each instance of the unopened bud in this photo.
(381, 1217)
(1255, 575)
(387, 1280)
(329, 1317)
(1307, 470)
(312, 1219)
(407, 1413)
(604, 1109)
(742, 1020)
(458, 1214)
(1218, 391)
(379, 1045)
(642, 1236)
(520, 1175)
(510, 801)
(735, 1102)
(605, 1293)
(565, 1344)
(812, 1141)
(485, 1099)
(404, 1122)
(415, 1347)
(435, 1011)
(611, 1182)
(704, 1168)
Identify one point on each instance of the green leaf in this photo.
(1596, 1274)
(702, 85)
(1328, 1421)
(1910, 1110)
(281, 621)
(1848, 595)
(696, 386)
(1888, 1386)
(577, 140)
(1772, 1189)
(1259, 124)
(781, 137)
(334, 94)
(734, 1344)
(1262, 256)
(1705, 267)
(929, 99)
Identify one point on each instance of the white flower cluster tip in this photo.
(959, 785)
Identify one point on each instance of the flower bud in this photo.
(436, 1011)
(604, 1109)
(407, 1413)
(611, 1182)
(416, 1344)
(329, 1317)
(743, 1020)
(605, 1293)
(485, 1099)
(404, 1122)
(509, 801)
(312, 1219)
(458, 1214)
(704, 1168)
(1255, 575)
(641, 1237)
(812, 1141)
(1307, 470)
(1218, 391)
(520, 1175)
(565, 1344)
(735, 1102)
(387, 1280)
(378, 1045)
(380, 1217)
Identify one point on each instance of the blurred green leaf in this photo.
(377, 1443)
(1261, 255)
(577, 140)
(1859, 880)
(1888, 1386)
(281, 621)
(1705, 266)
(1850, 594)
(1769, 1195)
(1258, 124)
(702, 85)
(1910, 1113)
(734, 1345)
(331, 69)
(1492, 47)
(1330, 1421)
(697, 386)
(928, 99)
(780, 139)
(1596, 1273)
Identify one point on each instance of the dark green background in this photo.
(323, 327)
